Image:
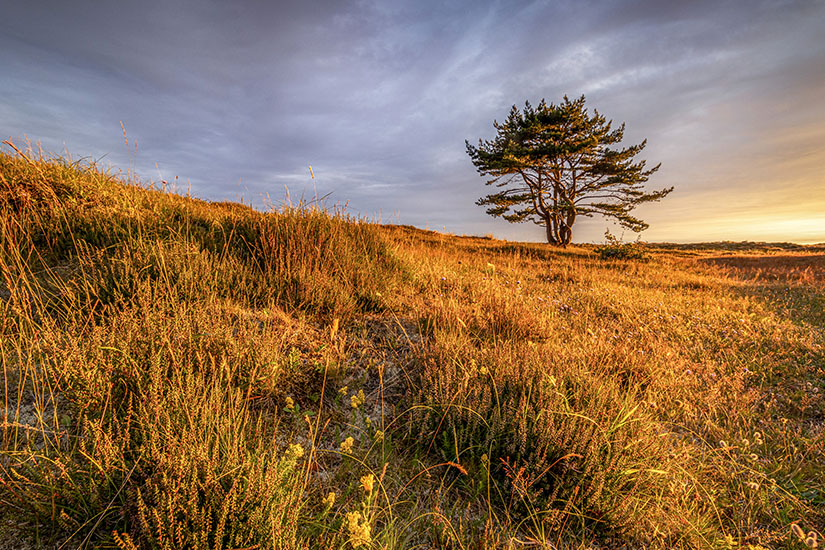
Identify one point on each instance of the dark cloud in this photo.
(240, 97)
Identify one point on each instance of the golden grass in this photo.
(798, 268)
(182, 374)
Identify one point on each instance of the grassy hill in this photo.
(186, 374)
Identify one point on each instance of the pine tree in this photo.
(555, 163)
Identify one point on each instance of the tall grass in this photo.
(145, 336)
(186, 374)
(617, 400)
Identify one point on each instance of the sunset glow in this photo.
(379, 98)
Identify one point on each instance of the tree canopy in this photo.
(554, 163)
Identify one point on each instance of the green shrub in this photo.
(615, 249)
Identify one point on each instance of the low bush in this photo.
(615, 249)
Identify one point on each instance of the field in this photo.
(186, 374)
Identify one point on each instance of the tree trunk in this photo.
(551, 237)
(552, 229)
(568, 226)
(566, 235)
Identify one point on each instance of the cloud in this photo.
(379, 97)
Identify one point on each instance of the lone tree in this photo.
(555, 163)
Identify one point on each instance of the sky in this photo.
(239, 98)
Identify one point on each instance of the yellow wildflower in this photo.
(290, 404)
(367, 482)
(329, 500)
(343, 390)
(357, 399)
(296, 451)
(379, 435)
(360, 533)
(346, 445)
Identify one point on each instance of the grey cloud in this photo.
(380, 96)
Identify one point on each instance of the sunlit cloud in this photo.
(379, 98)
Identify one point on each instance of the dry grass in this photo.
(181, 374)
(796, 268)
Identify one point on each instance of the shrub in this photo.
(615, 249)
